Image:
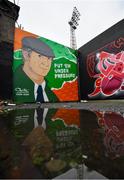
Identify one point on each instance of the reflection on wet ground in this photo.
(61, 144)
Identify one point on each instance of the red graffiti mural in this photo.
(111, 74)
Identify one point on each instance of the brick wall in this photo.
(8, 15)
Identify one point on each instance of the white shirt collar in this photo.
(36, 86)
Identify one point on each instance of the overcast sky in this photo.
(49, 18)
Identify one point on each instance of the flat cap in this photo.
(38, 46)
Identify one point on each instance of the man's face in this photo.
(39, 64)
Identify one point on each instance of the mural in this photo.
(107, 69)
(110, 78)
(101, 65)
(43, 70)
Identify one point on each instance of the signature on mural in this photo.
(110, 78)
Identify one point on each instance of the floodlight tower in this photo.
(73, 26)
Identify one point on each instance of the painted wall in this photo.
(61, 78)
(101, 65)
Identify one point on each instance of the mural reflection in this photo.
(61, 143)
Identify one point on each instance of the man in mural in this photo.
(29, 79)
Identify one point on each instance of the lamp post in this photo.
(73, 26)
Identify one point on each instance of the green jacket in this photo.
(23, 88)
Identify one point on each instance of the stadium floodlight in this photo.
(73, 26)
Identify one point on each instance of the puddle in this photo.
(102, 139)
(61, 144)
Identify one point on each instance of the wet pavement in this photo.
(62, 141)
(94, 105)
